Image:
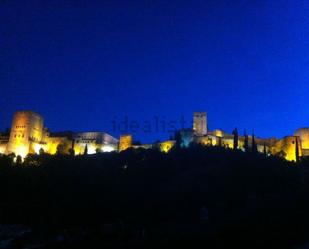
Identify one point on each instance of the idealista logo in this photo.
(155, 124)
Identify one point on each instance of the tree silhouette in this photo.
(281, 154)
(18, 160)
(72, 152)
(296, 150)
(86, 150)
(254, 146)
(98, 150)
(235, 139)
(220, 141)
(246, 144)
(41, 151)
(178, 139)
(60, 149)
(72, 146)
(265, 150)
(192, 182)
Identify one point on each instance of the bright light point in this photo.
(37, 148)
(21, 151)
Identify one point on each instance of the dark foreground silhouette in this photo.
(190, 198)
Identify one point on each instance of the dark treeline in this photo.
(210, 196)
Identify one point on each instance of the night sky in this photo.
(83, 64)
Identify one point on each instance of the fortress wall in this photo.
(206, 140)
(54, 142)
(27, 126)
(3, 144)
(287, 148)
(305, 152)
(228, 141)
(303, 133)
(92, 147)
(95, 141)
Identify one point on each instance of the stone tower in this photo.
(27, 129)
(125, 142)
(200, 123)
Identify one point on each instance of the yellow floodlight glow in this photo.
(218, 133)
(91, 149)
(37, 148)
(166, 146)
(108, 148)
(21, 151)
(2, 150)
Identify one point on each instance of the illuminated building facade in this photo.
(95, 142)
(4, 140)
(303, 134)
(285, 147)
(28, 135)
(26, 132)
(125, 142)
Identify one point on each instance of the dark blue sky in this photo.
(82, 64)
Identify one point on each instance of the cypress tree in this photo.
(220, 141)
(246, 145)
(254, 147)
(73, 144)
(72, 152)
(235, 139)
(178, 140)
(296, 150)
(265, 150)
(86, 150)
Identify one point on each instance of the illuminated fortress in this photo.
(28, 136)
